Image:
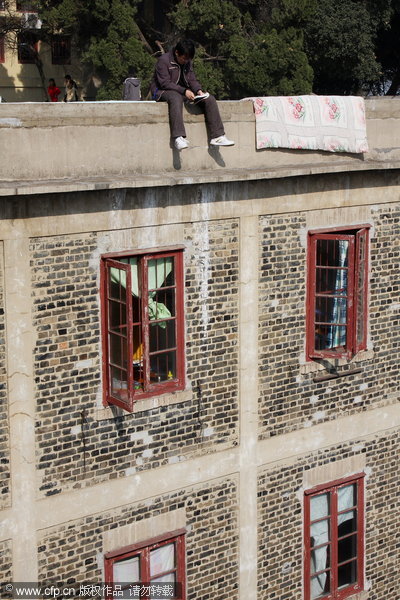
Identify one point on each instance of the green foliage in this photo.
(107, 38)
(388, 53)
(245, 51)
(244, 47)
(341, 49)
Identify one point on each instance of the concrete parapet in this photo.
(100, 141)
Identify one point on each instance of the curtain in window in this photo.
(321, 536)
(337, 335)
(162, 564)
(158, 270)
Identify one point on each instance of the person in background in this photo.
(174, 82)
(71, 90)
(53, 91)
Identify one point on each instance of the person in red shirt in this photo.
(53, 91)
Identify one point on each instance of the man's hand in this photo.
(189, 95)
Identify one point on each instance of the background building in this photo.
(241, 453)
(26, 61)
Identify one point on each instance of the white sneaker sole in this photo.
(222, 144)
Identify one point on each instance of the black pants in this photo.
(175, 110)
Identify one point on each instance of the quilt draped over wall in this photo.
(331, 123)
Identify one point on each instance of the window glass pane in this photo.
(320, 532)
(117, 284)
(157, 308)
(347, 574)
(162, 338)
(331, 281)
(347, 497)
(160, 273)
(347, 522)
(117, 316)
(117, 349)
(126, 571)
(319, 506)
(119, 383)
(330, 310)
(329, 337)
(347, 548)
(163, 366)
(133, 261)
(27, 47)
(165, 298)
(320, 559)
(170, 578)
(162, 559)
(332, 253)
(320, 585)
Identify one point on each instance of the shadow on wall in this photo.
(7, 86)
(26, 87)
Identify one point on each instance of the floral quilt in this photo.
(331, 123)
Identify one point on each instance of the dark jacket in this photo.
(167, 73)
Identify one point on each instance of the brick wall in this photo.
(74, 448)
(73, 553)
(4, 429)
(5, 562)
(281, 526)
(289, 398)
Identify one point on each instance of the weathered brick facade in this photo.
(5, 561)
(229, 457)
(280, 502)
(289, 398)
(68, 553)
(74, 448)
(4, 427)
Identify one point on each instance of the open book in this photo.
(200, 97)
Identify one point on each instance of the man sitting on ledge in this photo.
(174, 81)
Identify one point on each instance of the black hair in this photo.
(185, 48)
(68, 78)
(52, 81)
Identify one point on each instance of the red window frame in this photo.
(2, 51)
(142, 550)
(331, 571)
(356, 295)
(61, 50)
(140, 376)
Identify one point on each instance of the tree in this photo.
(107, 38)
(341, 44)
(245, 48)
(388, 53)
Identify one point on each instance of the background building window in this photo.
(142, 307)
(27, 47)
(27, 5)
(61, 50)
(337, 293)
(160, 560)
(334, 539)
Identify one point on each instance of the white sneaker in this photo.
(222, 140)
(181, 143)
